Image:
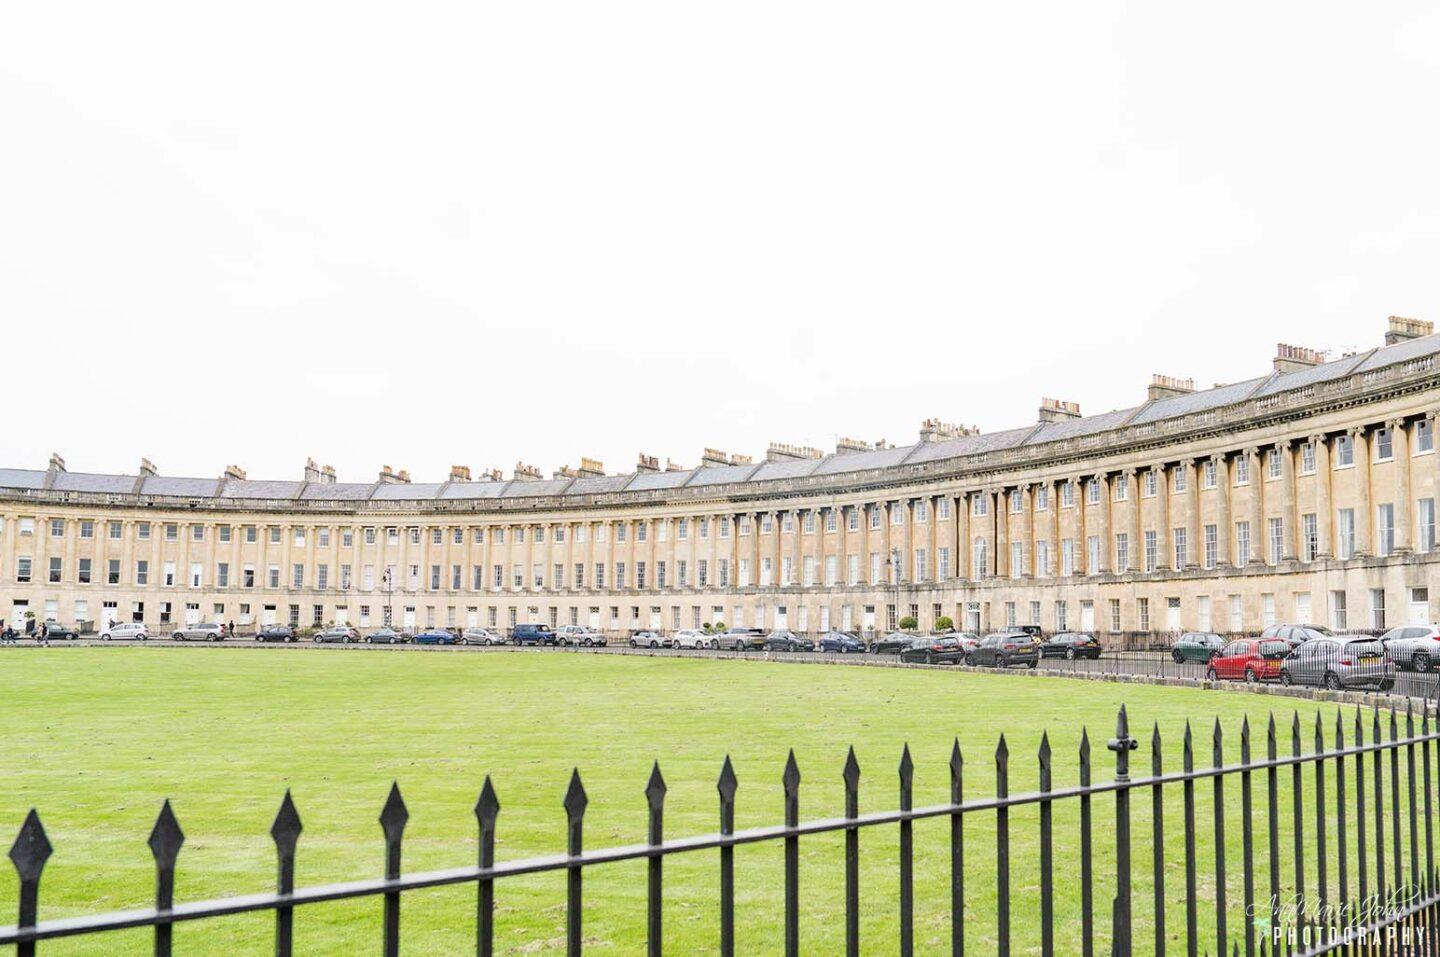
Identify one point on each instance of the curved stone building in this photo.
(1304, 493)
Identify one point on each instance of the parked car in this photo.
(967, 640)
(691, 638)
(742, 639)
(579, 635)
(203, 631)
(337, 636)
(1249, 659)
(782, 639)
(1071, 645)
(280, 633)
(1196, 646)
(1345, 661)
(387, 636)
(480, 636)
(1416, 647)
(891, 644)
(531, 635)
(125, 631)
(937, 650)
(1005, 649)
(1296, 635)
(436, 636)
(55, 631)
(843, 642)
(649, 639)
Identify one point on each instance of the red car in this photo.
(1249, 659)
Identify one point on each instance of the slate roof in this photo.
(834, 464)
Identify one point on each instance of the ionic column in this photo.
(1289, 501)
(1053, 494)
(932, 505)
(1001, 515)
(1162, 517)
(1322, 496)
(1360, 449)
(1137, 542)
(1258, 532)
(1193, 542)
(1223, 531)
(1400, 439)
(1082, 529)
(963, 570)
(1027, 531)
(1102, 553)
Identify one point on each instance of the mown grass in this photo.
(96, 738)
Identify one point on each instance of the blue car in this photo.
(533, 635)
(435, 636)
(842, 642)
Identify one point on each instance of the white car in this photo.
(125, 631)
(690, 638)
(578, 635)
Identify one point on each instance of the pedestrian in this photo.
(231, 632)
(44, 638)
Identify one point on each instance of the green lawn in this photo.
(96, 738)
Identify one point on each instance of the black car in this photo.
(1070, 644)
(782, 640)
(940, 650)
(280, 633)
(891, 644)
(56, 631)
(1005, 650)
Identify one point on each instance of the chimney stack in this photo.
(57, 463)
(1058, 410)
(491, 475)
(233, 473)
(844, 445)
(1167, 386)
(785, 452)
(590, 468)
(312, 471)
(1290, 358)
(526, 473)
(459, 473)
(389, 476)
(147, 468)
(1402, 329)
(714, 457)
(646, 464)
(327, 475)
(673, 466)
(934, 430)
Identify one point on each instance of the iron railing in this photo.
(1377, 877)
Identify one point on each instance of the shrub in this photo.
(908, 623)
(944, 623)
(718, 626)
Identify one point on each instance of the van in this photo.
(532, 635)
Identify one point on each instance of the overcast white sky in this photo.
(481, 233)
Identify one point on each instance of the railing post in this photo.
(1157, 815)
(487, 810)
(1002, 849)
(1322, 877)
(907, 858)
(1247, 833)
(957, 852)
(791, 781)
(726, 786)
(1192, 915)
(29, 853)
(165, 840)
(1047, 877)
(1087, 863)
(851, 775)
(575, 803)
(655, 799)
(1414, 811)
(1122, 744)
(392, 823)
(1297, 799)
(1217, 760)
(1272, 794)
(286, 834)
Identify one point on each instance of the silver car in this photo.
(578, 635)
(125, 631)
(201, 631)
(1416, 647)
(691, 638)
(1341, 661)
(480, 636)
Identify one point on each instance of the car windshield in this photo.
(1365, 646)
(1274, 649)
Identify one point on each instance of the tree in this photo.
(908, 623)
(944, 623)
(719, 626)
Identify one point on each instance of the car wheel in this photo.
(654, 643)
(562, 642)
(1211, 674)
(970, 660)
(1179, 658)
(1250, 677)
(634, 643)
(587, 642)
(1069, 654)
(1421, 662)
(1286, 679)
(1332, 681)
(1033, 665)
(177, 636)
(714, 644)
